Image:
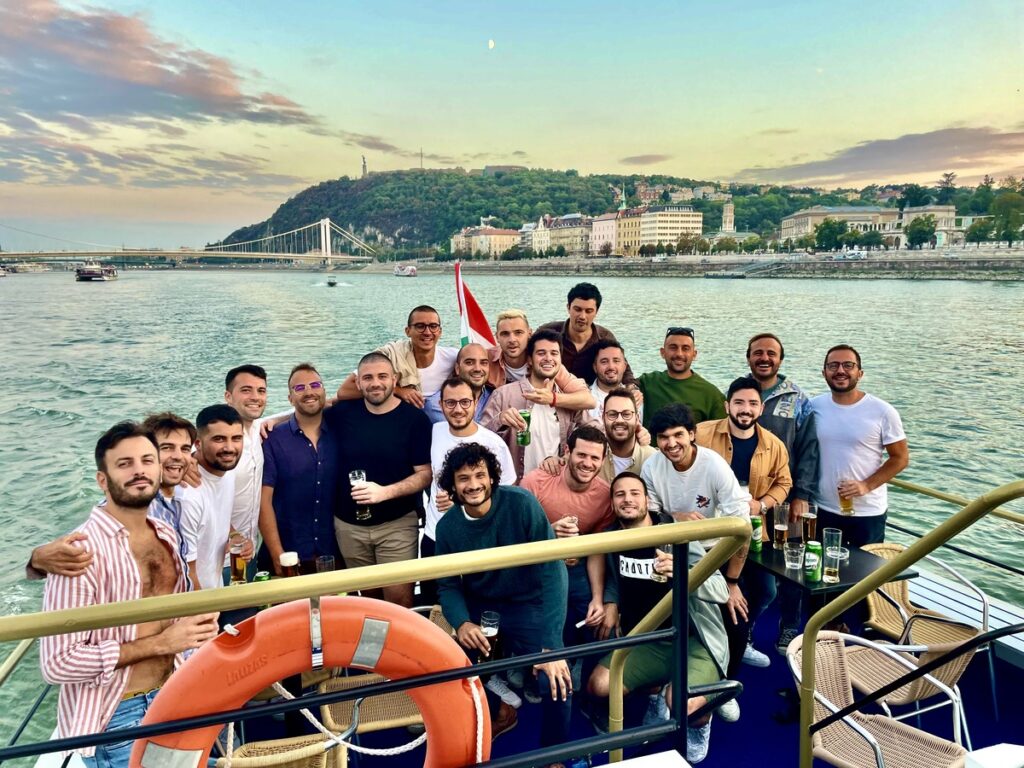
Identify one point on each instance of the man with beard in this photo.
(459, 427)
(531, 600)
(206, 509)
(625, 452)
(420, 364)
(787, 415)
(679, 383)
(576, 502)
(761, 465)
(175, 437)
(693, 483)
(377, 517)
(854, 430)
(109, 677)
(300, 475)
(472, 365)
(579, 334)
(610, 369)
(550, 420)
(245, 390)
(630, 595)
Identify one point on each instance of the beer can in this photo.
(756, 525)
(523, 435)
(812, 561)
(261, 576)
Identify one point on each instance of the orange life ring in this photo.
(276, 643)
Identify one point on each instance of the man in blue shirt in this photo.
(473, 366)
(300, 473)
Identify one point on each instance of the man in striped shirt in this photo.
(108, 677)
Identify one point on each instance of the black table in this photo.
(861, 565)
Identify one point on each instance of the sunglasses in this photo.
(313, 385)
(679, 330)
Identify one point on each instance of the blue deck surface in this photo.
(759, 737)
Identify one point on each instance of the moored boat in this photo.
(405, 270)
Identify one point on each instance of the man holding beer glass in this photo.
(862, 447)
(531, 600)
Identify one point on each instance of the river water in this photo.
(79, 356)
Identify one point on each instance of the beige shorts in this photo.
(390, 542)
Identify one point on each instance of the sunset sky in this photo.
(167, 124)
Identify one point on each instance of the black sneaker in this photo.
(786, 636)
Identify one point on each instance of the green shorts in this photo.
(652, 664)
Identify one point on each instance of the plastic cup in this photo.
(324, 564)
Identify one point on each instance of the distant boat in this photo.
(725, 275)
(332, 281)
(404, 270)
(3, 272)
(91, 272)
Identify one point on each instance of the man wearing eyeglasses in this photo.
(679, 383)
(300, 478)
(458, 403)
(862, 447)
(420, 364)
(625, 452)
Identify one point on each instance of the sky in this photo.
(170, 124)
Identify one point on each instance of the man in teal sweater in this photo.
(531, 599)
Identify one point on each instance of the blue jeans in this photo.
(129, 714)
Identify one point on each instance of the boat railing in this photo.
(971, 513)
(731, 533)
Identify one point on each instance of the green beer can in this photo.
(812, 561)
(261, 576)
(755, 533)
(523, 436)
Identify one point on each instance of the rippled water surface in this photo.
(77, 357)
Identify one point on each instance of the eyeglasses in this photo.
(679, 330)
(421, 327)
(465, 403)
(616, 415)
(313, 385)
(847, 365)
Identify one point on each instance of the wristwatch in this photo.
(764, 507)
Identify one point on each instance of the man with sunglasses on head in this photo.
(862, 446)
(420, 364)
(300, 474)
(679, 383)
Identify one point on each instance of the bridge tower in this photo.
(325, 239)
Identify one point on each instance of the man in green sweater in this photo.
(531, 600)
(678, 383)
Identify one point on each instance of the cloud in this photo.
(777, 131)
(644, 159)
(947, 149)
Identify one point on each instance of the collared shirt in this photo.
(641, 453)
(580, 362)
(432, 406)
(248, 474)
(84, 663)
(304, 479)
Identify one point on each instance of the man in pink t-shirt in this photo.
(577, 501)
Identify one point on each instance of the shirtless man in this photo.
(109, 677)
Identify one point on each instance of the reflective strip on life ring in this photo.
(357, 632)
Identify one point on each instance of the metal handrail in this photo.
(14, 657)
(952, 498)
(966, 517)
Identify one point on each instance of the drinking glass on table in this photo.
(810, 521)
(794, 554)
(831, 555)
(325, 564)
(781, 530)
(355, 477)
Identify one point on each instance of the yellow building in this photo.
(627, 231)
(890, 222)
(667, 223)
(571, 232)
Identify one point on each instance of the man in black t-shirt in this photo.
(376, 515)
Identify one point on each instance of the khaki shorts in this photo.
(390, 542)
(651, 664)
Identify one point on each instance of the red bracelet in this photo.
(553, 398)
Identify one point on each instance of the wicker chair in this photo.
(873, 665)
(298, 752)
(891, 613)
(858, 740)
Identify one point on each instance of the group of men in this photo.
(422, 452)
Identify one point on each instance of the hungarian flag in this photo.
(472, 321)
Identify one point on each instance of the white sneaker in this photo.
(730, 711)
(697, 741)
(657, 710)
(754, 657)
(499, 688)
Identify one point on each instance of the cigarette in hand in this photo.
(579, 624)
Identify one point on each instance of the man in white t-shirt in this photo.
(693, 483)
(245, 390)
(862, 446)
(420, 364)
(206, 510)
(458, 404)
